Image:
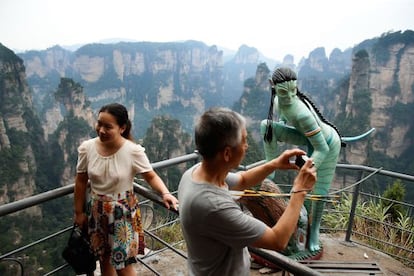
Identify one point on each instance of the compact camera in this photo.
(300, 160)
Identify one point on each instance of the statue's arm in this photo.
(311, 129)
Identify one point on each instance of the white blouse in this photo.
(115, 173)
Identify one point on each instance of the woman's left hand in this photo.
(170, 201)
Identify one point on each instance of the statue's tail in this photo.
(356, 138)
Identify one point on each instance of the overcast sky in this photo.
(274, 27)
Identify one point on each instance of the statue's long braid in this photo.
(306, 100)
(269, 133)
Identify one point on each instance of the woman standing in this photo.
(110, 162)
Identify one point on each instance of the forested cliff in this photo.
(149, 78)
(19, 129)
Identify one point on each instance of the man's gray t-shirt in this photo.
(215, 228)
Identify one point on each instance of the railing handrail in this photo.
(24, 203)
(378, 171)
(33, 200)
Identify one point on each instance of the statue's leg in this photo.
(281, 133)
(325, 176)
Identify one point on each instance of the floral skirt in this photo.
(115, 228)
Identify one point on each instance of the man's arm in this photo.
(256, 175)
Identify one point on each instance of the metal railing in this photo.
(385, 245)
(280, 260)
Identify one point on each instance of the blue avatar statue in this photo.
(301, 123)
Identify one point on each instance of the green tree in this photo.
(395, 192)
(165, 139)
(254, 152)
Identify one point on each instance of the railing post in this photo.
(352, 212)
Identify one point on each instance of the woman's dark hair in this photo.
(121, 115)
(281, 75)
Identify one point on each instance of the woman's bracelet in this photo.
(299, 191)
(167, 193)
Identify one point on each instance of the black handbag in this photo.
(78, 253)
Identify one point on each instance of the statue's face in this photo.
(286, 92)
